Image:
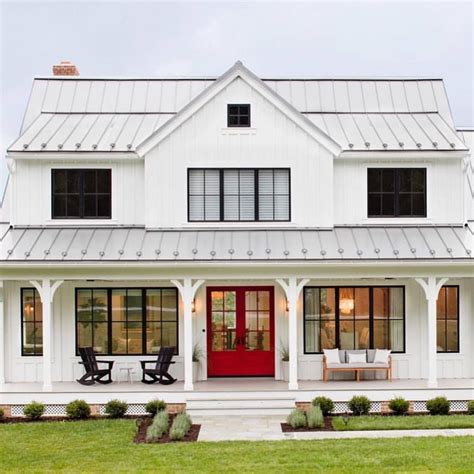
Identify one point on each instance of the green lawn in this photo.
(106, 446)
(357, 423)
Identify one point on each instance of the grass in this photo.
(364, 423)
(106, 446)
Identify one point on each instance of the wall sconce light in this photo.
(287, 305)
(193, 305)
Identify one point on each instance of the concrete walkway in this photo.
(267, 428)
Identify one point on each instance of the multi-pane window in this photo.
(127, 321)
(237, 195)
(354, 318)
(447, 318)
(396, 192)
(238, 115)
(81, 193)
(31, 322)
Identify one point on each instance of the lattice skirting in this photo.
(60, 410)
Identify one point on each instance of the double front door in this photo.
(240, 330)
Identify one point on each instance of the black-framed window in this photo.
(31, 323)
(81, 193)
(396, 192)
(354, 318)
(238, 195)
(447, 319)
(126, 321)
(238, 115)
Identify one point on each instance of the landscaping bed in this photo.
(144, 423)
(328, 426)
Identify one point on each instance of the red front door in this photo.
(240, 331)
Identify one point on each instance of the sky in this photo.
(278, 39)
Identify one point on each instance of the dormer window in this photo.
(238, 115)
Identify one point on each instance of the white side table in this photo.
(128, 374)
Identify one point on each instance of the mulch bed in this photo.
(286, 428)
(144, 423)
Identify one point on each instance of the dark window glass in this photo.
(354, 318)
(238, 195)
(81, 194)
(130, 321)
(447, 316)
(238, 115)
(31, 322)
(396, 192)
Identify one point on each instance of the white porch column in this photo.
(292, 290)
(46, 291)
(431, 287)
(187, 291)
(2, 334)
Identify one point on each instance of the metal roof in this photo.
(96, 244)
(117, 114)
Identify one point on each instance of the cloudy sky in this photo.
(272, 38)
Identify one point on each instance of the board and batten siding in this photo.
(272, 141)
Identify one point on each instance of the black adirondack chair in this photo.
(91, 365)
(159, 373)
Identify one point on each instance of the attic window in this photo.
(238, 115)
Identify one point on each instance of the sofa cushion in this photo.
(355, 351)
(342, 356)
(357, 358)
(332, 356)
(381, 356)
(370, 355)
(362, 366)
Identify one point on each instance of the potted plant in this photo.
(197, 356)
(285, 358)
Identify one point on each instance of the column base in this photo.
(432, 384)
(293, 386)
(47, 387)
(189, 387)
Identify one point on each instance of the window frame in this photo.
(82, 194)
(396, 192)
(337, 314)
(109, 290)
(222, 196)
(445, 319)
(239, 125)
(35, 294)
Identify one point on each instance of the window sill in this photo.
(238, 131)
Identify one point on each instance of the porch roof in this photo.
(124, 244)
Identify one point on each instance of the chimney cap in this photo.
(65, 68)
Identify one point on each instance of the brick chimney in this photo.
(65, 68)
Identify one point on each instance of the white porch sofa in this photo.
(368, 365)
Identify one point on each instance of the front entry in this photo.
(240, 331)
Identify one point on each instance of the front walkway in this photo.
(267, 428)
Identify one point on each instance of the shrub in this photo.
(297, 419)
(116, 409)
(470, 407)
(2, 413)
(325, 403)
(34, 410)
(154, 406)
(158, 427)
(359, 405)
(438, 406)
(181, 425)
(78, 410)
(315, 417)
(399, 406)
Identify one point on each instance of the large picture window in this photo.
(354, 318)
(396, 192)
(31, 323)
(81, 193)
(447, 318)
(127, 321)
(238, 195)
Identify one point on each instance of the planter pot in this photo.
(196, 371)
(284, 364)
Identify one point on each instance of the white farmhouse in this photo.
(247, 220)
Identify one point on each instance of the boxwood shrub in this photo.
(2, 413)
(399, 406)
(34, 410)
(438, 406)
(325, 403)
(154, 406)
(116, 409)
(470, 407)
(78, 410)
(359, 405)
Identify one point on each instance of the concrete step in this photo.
(283, 412)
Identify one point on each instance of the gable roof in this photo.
(111, 114)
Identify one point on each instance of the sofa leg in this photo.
(358, 375)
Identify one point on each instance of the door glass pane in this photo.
(264, 320)
(217, 298)
(251, 321)
(230, 320)
(229, 303)
(257, 341)
(217, 320)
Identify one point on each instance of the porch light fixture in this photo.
(287, 305)
(193, 305)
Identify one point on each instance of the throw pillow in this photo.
(332, 356)
(357, 358)
(381, 356)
